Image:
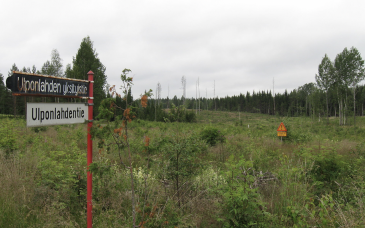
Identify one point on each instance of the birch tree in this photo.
(356, 73)
(349, 68)
(324, 78)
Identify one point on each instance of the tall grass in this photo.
(318, 170)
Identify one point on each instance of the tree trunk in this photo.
(339, 113)
(328, 120)
(354, 106)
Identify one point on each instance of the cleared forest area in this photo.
(228, 169)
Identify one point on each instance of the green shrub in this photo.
(242, 206)
(190, 117)
(180, 114)
(212, 136)
(329, 171)
(8, 138)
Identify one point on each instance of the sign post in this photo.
(281, 131)
(90, 150)
(40, 114)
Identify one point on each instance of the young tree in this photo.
(47, 68)
(53, 67)
(118, 129)
(56, 62)
(183, 151)
(325, 76)
(34, 70)
(26, 70)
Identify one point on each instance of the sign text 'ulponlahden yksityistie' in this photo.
(23, 84)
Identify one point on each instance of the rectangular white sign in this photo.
(42, 114)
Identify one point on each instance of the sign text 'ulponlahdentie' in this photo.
(41, 114)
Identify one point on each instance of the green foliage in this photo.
(180, 114)
(12, 215)
(39, 129)
(212, 136)
(241, 200)
(181, 181)
(8, 138)
(190, 117)
(182, 153)
(182, 161)
(107, 109)
(57, 169)
(328, 170)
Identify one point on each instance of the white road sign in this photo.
(42, 114)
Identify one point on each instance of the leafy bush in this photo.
(190, 117)
(180, 114)
(329, 171)
(107, 109)
(241, 200)
(212, 136)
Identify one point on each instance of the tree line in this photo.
(335, 92)
(330, 95)
(307, 100)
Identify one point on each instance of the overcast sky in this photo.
(241, 45)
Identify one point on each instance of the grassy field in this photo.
(227, 170)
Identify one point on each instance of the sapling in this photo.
(119, 131)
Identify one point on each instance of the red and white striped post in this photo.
(90, 151)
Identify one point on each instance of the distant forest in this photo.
(307, 100)
(336, 91)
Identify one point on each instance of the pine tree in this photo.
(5, 95)
(87, 59)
